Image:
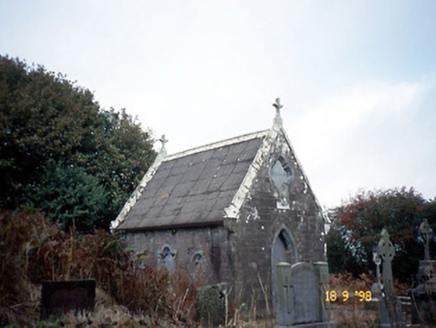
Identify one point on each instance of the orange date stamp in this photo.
(344, 296)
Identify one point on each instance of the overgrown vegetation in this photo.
(356, 311)
(352, 313)
(356, 228)
(61, 152)
(32, 250)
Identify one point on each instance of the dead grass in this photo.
(32, 251)
(353, 316)
(356, 313)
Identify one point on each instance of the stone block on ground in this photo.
(58, 297)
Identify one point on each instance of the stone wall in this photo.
(262, 218)
(239, 252)
(197, 250)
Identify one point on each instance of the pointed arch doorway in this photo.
(283, 250)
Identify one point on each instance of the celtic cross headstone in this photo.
(386, 251)
(426, 233)
(390, 314)
(424, 295)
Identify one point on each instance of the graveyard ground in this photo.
(32, 250)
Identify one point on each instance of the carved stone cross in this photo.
(377, 260)
(278, 106)
(426, 233)
(386, 251)
(163, 151)
(163, 140)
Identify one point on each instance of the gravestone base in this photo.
(426, 270)
(391, 317)
(311, 325)
(424, 302)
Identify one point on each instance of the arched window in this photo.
(282, 175)
(167, 258)
(198, 264)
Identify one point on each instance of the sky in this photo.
(357, 78)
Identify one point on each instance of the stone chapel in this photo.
(230, 211)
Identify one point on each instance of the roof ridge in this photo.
(222, 143)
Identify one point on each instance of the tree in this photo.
(70, 197)
(45, 118)
(356, 228)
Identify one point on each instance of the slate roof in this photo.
(194, 187)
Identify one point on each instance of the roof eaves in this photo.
(176, 226)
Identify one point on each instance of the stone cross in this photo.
(386, 251)
(389, 311)
(163, 140)
(163, 151)
(426, 233)
(278, 106)
(377, 260)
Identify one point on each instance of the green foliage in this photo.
(70, 197)
(339, 255)
(46, 118)
(357, 225)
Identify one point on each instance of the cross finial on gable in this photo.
(278, 106)
(164, 142)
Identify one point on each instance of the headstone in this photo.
(301, 290)
(305, 281)
(212, 304)
(324, 276)
(389, 307)
(427, 267)
(424, 295)
(426, 233)
(386, 251)
(376, 288)
(58, 297)
(285, 295)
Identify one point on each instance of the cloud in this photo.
(365, 136)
